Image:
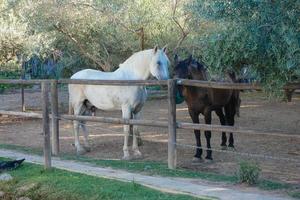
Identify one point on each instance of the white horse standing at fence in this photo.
(129, 99)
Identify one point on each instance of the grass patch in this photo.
(155, 168)
(295, 194)
(29, 150)
(248, 172)
(61, 184)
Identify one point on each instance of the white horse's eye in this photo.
(159, 63)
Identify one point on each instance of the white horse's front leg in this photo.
(136, 138)
(126, 114)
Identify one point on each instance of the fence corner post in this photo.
(172, 157)
(46, 127)
(54, 119)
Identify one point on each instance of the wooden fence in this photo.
(50, 86)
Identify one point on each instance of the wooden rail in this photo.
(114, 82)
(115, 120)
(186, 82)
(171, 124)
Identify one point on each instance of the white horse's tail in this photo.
(71, 110)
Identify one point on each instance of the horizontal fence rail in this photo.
(163, 124)
(115, 120)
(171, 124)
(227, 85)
(186, 82)
(114, 82)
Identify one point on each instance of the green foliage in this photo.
(261, 35)
(248, 172)
(8, 75)
(60, 184)
(227, 34)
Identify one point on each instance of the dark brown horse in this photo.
(205, 100)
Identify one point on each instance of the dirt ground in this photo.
(107, 139)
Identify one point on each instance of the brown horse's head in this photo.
(189, 69)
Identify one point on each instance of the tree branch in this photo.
(81, 48)
(184, 33)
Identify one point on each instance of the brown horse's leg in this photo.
(230, 112)
(207, 117)
(221, 116)
(195, 117)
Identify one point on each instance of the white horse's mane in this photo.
(133, 58)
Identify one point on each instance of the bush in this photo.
(248, 172)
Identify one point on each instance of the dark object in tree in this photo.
(9, 165)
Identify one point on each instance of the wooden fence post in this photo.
(22, 88)
(46, 127)
(55, 121)
(172, 157)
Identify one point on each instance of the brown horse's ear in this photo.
(190, 59)
(176, 59)
(165, 48)
(232, 76)
(155, 49)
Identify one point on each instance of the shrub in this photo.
(248, 172)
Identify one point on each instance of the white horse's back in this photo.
(96, 75)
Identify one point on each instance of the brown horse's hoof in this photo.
(231, 149)
(223, 147)
(196, 161)
(208, 161)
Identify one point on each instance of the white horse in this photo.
(129, 99)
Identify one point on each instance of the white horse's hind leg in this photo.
(126, 114)
(136, 137)
(86, 145)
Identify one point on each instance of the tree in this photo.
(262, 35)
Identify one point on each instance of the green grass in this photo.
(295, 194)
(156, 168)
(153, 168)
(60, 184)
(145, 167)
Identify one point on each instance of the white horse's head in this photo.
(159, 64)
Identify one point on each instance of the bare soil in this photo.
(257, 112)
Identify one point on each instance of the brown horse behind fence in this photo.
(205, 100)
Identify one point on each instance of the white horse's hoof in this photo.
(81, 151)
(196, 160)
(126, 155)
(137, 155)
(126, 158)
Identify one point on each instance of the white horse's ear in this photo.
(155, 49)
(165, 48)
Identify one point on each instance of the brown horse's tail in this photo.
(236, 101)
